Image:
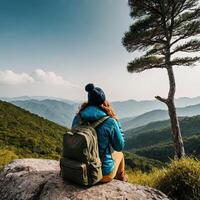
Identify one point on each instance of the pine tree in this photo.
(162, 29)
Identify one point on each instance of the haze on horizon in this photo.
(54, 48)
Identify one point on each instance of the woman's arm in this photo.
(117, 136)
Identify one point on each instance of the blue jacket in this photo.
(109, 135)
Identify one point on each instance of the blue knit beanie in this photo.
(96, 95)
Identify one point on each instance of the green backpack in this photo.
(81, 163)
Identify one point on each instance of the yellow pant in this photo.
(119, 168)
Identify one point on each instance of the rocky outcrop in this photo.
(38, 179)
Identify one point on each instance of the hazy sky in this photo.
(55, 47)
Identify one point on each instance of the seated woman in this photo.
(109, 133)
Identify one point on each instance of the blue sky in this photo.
(55, 47)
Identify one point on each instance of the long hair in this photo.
(105, 106)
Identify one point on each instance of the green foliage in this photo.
(135, 162)
(6, 156)
(28, 135)
(143, 63)
(180, 180)
(140, 178)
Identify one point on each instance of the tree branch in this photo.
(190, 46)
(161, 99)
(144, 63)
(185, 61)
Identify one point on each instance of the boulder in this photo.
(38, 179)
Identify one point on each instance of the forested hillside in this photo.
(149, 127)
(154, 140)
(27, 135)
(165, 151)
(135, 162)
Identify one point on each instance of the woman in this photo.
(109, 133)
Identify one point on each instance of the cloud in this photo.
(8, 77)
(38, 76)
(50, 78)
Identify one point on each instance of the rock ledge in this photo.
(38, 179)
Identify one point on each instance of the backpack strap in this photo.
(100, 121)
(96, 124)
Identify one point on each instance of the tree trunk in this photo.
(176, 133)
(175, 128)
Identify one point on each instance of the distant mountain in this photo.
(28, 135)
(56, 111)
(39, 98)
(21, 98)
(187, 101)
(145, 118)
(158, 115)
(133, 108)
(189, 110)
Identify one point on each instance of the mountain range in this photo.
(132, 113)
(158, 115)
(133, 108)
